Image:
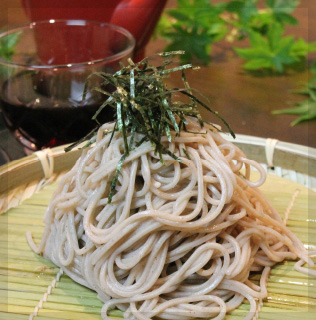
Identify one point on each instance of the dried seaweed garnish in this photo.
(87, 137)
(186, 153)
(143, 104)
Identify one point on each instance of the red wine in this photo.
(33, 113)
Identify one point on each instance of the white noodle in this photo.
(179, 239)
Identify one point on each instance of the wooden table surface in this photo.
(245, 101)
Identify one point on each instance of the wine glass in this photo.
(43, 72)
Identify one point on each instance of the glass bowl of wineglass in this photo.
(44, 67)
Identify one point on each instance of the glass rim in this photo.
(30, 25)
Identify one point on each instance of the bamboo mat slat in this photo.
(25, 276)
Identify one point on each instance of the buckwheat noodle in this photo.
(179, 239)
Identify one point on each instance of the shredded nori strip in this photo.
(143, 104)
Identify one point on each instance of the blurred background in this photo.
(243, 85)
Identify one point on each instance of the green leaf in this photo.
(201, 3)
(245, 9)
(200, 23)
(282, 9)
(234, 6)
(184, 3)
(281, 54)
(253, 53)
(287, 19)
(257, 64)
(194, 45)
(306, 110)
(302, 108)
(8, 43)
(7, 48)
(162, 28)
(301, 48)
(257, 40)
(195, 25)
(261, 20)
(282, 6)
(284, 50)
(272, 51)
(12, 40)
(312, 94)
(274, 35)
(311, 115)
(179, 15)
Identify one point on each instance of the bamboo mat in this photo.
(26, 279)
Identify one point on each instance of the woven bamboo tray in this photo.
(34, 288)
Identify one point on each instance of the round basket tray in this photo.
(34, 288)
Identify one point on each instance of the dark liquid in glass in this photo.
(38, 119)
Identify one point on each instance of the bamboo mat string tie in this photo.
(46, 159)
(290, 206)
(270, 147)
(46, 294)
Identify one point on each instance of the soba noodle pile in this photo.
(179, 239)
